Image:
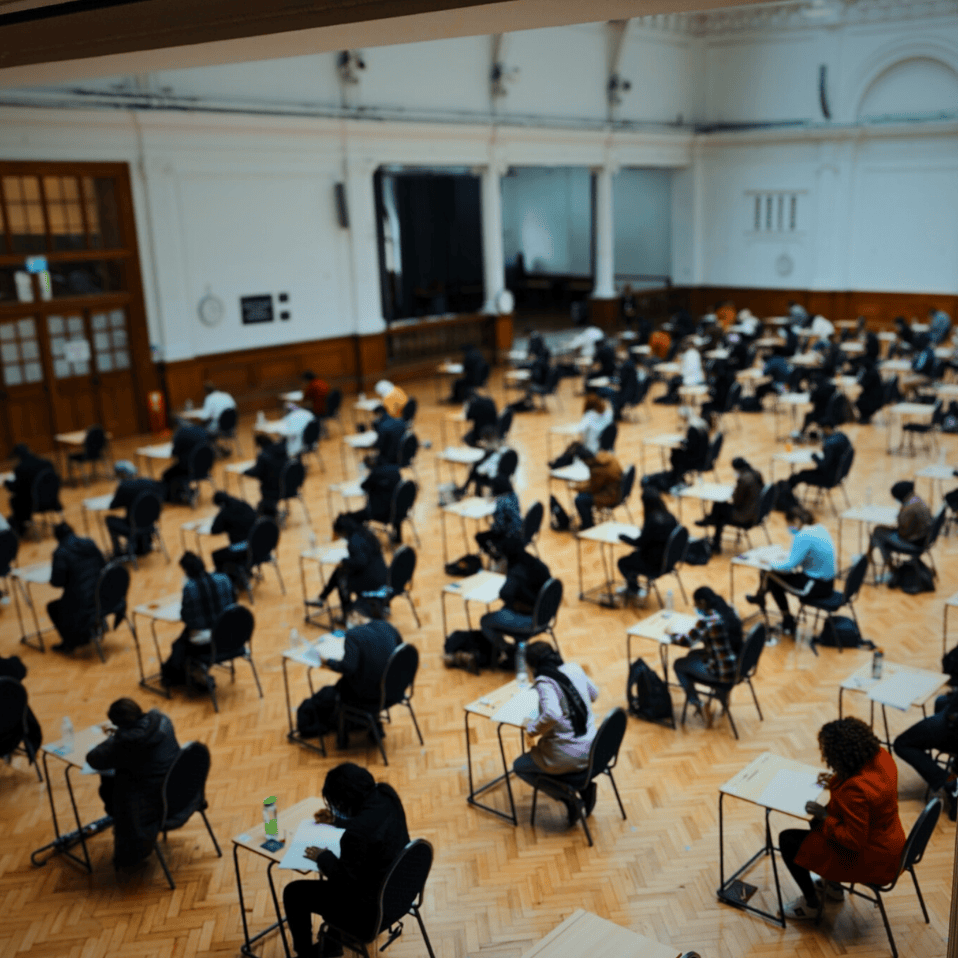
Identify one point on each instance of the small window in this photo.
(774, 212)
(20, 353)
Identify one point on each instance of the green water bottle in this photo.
(270, 813)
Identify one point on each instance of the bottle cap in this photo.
(270, 801)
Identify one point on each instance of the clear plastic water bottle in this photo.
(312, 539)
(522, 673)
(295, 640)
(260, 418)
(669, 604)
(868, 495)
(270, 815)
(66, 733)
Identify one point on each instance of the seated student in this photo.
(28, 467)
(506, 520)
(858, 837)
(603, 361)
(140, 750)
(872, 395)
(294, 422)
(379, 486)
(906, 335)
(809, 568)
(187, 438)
(649, 545)
(389, 434)
(937, 733)
(827, 464)
(629, 391)
(539, 373)
(13, 668)
(374, 833)
(719, 630)
(128, 491)
(691, 374)
(914, 521)
(602, 489)
(315, 391)
(525, 577)
(585, 342)
(393, 398)
(363, 569)
(821, 399)
(564, 725)
(720, 384)
(236, 518)
(481, 412)
(205, 597)
(473, 372)
(77, 564)
(597, 415)
(691, 455)
(742, 510)
(268, 468)
(939, 326)
(217, 401)
(492, 465)
(778, 369)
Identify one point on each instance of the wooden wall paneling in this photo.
(504, 333)
(370, 360)
(604, 313)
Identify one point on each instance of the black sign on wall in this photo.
(256, 309)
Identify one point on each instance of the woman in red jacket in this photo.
(858, 836)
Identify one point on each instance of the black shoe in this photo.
(758, 600)
(716, 547)
(327, 948)
(572, 813)
(788, 626)
(703, 522)
(63, 648)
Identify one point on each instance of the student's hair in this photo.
(652, 500)
(740, 465)
(209, 387)
(798, 513)
(902, 490)
(262, 441)
(347, 787)
(20, 450)
(540, 655)
(309, 375)
(847, 745)
(124, 713)
(192, 564)
(593, 403)
(219, 497)
(707, 598)
(345, 524)
(62, 530)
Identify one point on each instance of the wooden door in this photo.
(112, 363)
(24, 388)
(76, 403)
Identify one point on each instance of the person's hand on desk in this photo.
(313, 853)
(323, 817)
(817, 811)
(824, 779)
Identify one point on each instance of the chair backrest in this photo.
(483, 375)
(715, 450)
(227, 421)
(333, 401)
(766, 502)
(845, 467)
(547, 604)
(9, 546)
(46, 491)
(626, 485)
(185, 783)
(404, 497)
(410, 409)
(855, 578)
(408, 447)
(111, 589)
(13, 702)
(504, 423)
(532, 522)
(732, 397)
(552, 380)
(403, 885)
(400, 674)
(311, 435)
(508, 463)
(262, 540)
(291, 478)
(608, 436)
(232, 631)
(145, 511)
(93, 442)
(675, 547)
(607, 741)
(920, 833)
(401, 569)
(936, 526)
(750, 652)
(201, 462)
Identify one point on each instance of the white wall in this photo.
(642, 214)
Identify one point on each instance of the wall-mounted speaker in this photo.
(342, 211)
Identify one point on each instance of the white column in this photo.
(493, 265)
(364, 248)
(604, 241)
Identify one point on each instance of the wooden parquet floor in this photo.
(494, 889)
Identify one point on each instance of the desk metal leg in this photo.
(25, 637)
(578, 561)
(280, 918)
(247, 947)
(474, 792)
(292, 735)
(151, 683)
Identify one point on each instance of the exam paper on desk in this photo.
(522, 707)
(790, 790)
(310, 834)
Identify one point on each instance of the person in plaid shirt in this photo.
(720, 633)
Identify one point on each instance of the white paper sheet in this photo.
(310, 835)
(519, 709)
(789, 790)
(900, 689)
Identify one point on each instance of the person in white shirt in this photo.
(821, 328)
(747, 322)
(216, 403)
(597, 414)
(586, 341)
(294, 422)
(691, 363)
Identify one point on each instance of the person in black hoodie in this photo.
(379, 486)
(236, 517)
(77, 564)
(186, 439)
(473, 372)
(268, 468)
(481, 412)
(13, 668)
(827, 465)
(26, 471)
(374, 833)
(872, 395)
(649, 545)
(129, 490)
(363, 569)
(525, 576)
(140, 751)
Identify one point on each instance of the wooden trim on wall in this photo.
(879, 309)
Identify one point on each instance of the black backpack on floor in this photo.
(840, 631)
(647, 695)
(558, 517)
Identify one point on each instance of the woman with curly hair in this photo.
(858, 837)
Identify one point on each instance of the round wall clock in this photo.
(211, 310)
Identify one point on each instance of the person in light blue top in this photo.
(809, 569)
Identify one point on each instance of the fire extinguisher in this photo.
(157, 411)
